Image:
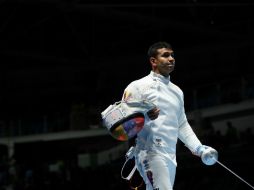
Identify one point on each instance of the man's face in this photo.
(164, 62)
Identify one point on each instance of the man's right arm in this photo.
(133, 92)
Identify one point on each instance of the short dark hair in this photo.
(152, 51)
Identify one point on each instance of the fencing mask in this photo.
(124, 119)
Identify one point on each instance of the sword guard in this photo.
(209, 156)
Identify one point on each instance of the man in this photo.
(155, 147)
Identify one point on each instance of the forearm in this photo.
(188, 137)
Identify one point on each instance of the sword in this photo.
(232, 172)
(210, 156)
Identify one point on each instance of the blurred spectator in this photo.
(247, 136)
(231, 135)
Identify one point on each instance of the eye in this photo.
(167, 54)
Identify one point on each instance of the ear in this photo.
(153, 61)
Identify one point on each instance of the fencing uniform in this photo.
(155, 151)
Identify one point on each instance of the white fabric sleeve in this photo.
(188, 137)
(186, 133)
(131, 92)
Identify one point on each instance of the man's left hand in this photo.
(153, 113)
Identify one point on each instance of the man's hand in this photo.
(153, 113)
(208, 155)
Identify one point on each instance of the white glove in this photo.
(208, 155)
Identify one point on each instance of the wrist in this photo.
(200, 149)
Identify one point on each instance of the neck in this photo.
(164, 75)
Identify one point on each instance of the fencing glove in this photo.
(208, 155)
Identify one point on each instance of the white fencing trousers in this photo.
(158, 171)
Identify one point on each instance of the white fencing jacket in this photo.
(161, 135)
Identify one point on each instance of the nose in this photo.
(171, 58)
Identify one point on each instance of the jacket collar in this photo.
(159, 77)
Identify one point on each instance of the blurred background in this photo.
(65, 61)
